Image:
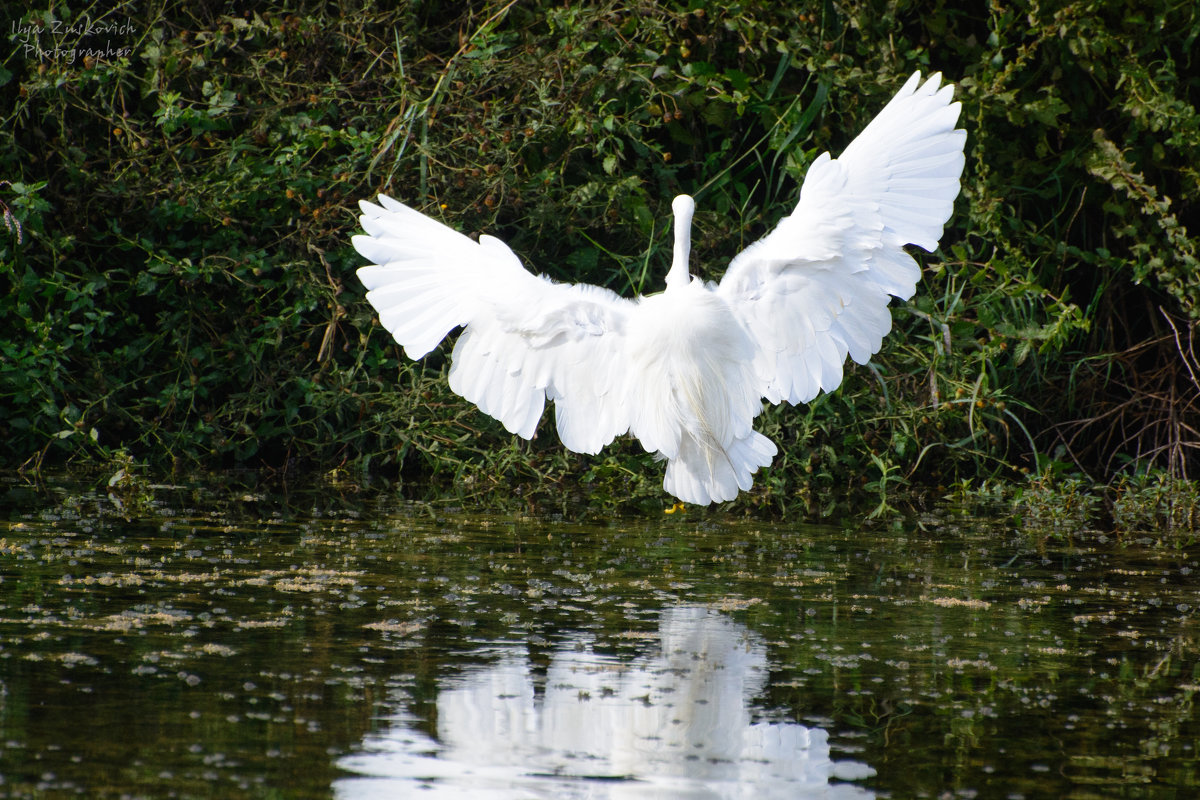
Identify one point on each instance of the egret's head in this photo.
(683, 207)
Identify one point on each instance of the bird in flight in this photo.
(685, 370)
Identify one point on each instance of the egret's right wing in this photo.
(525, 337)
(817, 287)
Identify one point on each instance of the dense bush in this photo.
(178, 202)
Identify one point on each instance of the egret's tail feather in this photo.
(697, 475)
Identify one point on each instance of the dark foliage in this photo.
(178, 192)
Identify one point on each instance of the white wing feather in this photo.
(526, 338)
(816, 288)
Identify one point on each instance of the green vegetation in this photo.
(178, 190)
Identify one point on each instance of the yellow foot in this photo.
(677, 507)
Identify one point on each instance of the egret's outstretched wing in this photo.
(817, 287)
(526, 338)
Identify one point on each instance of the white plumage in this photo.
(686, 370)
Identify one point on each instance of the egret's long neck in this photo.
(683, 207)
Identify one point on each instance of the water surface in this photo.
(317, 646)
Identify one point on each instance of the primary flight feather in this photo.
(685, 370)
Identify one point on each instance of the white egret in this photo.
(685, 370)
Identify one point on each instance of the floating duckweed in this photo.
(952, 602)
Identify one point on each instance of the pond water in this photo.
(269, 646)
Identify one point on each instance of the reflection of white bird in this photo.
(675, 722)
(686, 370)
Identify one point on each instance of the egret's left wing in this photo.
(817, 287)
(525, 338)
